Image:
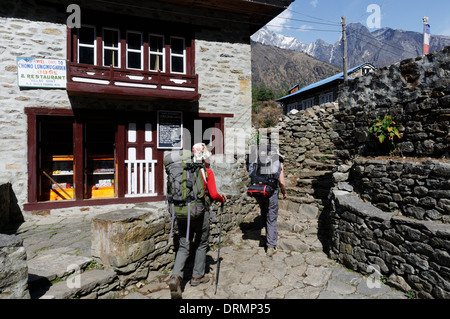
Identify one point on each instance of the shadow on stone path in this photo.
(299, 270)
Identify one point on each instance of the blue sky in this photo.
(306, 19)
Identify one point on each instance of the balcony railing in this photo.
(86, 79)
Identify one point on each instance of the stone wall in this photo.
(14, 269)
(309, 130)
(417, 189)
(391, 213)
(415, 92)
(409, 254)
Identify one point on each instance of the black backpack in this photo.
(264, 169)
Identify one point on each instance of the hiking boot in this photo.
(198, 281)
(175, 287)
(271, 251)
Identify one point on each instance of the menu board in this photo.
(170, 129)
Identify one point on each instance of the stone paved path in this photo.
(299, 270)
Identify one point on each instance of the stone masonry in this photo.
(389, 214)
(415, 92)
(411, 255)
(420, 190)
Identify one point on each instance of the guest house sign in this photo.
(41, 73)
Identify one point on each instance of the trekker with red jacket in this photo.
(198, 227)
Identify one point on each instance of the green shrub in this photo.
(385, 129)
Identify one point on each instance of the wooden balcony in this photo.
(110, 82)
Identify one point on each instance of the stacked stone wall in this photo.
(415, 92)
(419, 190)
(408, 254)
(390, 214)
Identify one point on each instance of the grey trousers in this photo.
(200, 229)
(269, 216)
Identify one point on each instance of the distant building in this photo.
(320, 92)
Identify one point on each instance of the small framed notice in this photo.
(170, 129)
(41, 73)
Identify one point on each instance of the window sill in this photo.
(89, 202)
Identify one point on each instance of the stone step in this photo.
(299, 191)
(319, 156)
(91, 284)
(44, 269)
(318, 164)
(308, 173)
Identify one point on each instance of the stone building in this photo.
(93, 94)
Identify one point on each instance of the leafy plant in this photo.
(385, 129)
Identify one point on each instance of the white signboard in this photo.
(41, 73)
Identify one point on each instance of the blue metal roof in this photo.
(339, 76)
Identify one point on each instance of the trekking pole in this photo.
(218, 252)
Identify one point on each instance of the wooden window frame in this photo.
(177, 55)
(141, 51)
(94, 46)
(78, 136)
(118, 49)
(162, 54)
(102, 81)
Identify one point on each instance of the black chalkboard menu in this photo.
(170, 129)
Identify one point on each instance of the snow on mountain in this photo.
(381, 47)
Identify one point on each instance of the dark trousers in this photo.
(200, 229)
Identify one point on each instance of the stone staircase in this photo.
(311, 181)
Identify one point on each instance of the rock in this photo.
(317, 276)
(311, 211)
(13, 269)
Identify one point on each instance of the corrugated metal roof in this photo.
(339, 76)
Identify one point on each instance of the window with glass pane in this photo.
(134, 50)
(111, 47)
(177, 55)
(156, 48)
(86, 45)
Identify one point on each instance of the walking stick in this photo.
(218, 252)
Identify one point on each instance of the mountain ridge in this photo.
(279, 69)
(381, 47)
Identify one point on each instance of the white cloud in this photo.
(314, 3)
(305, 27)
(280, 21)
